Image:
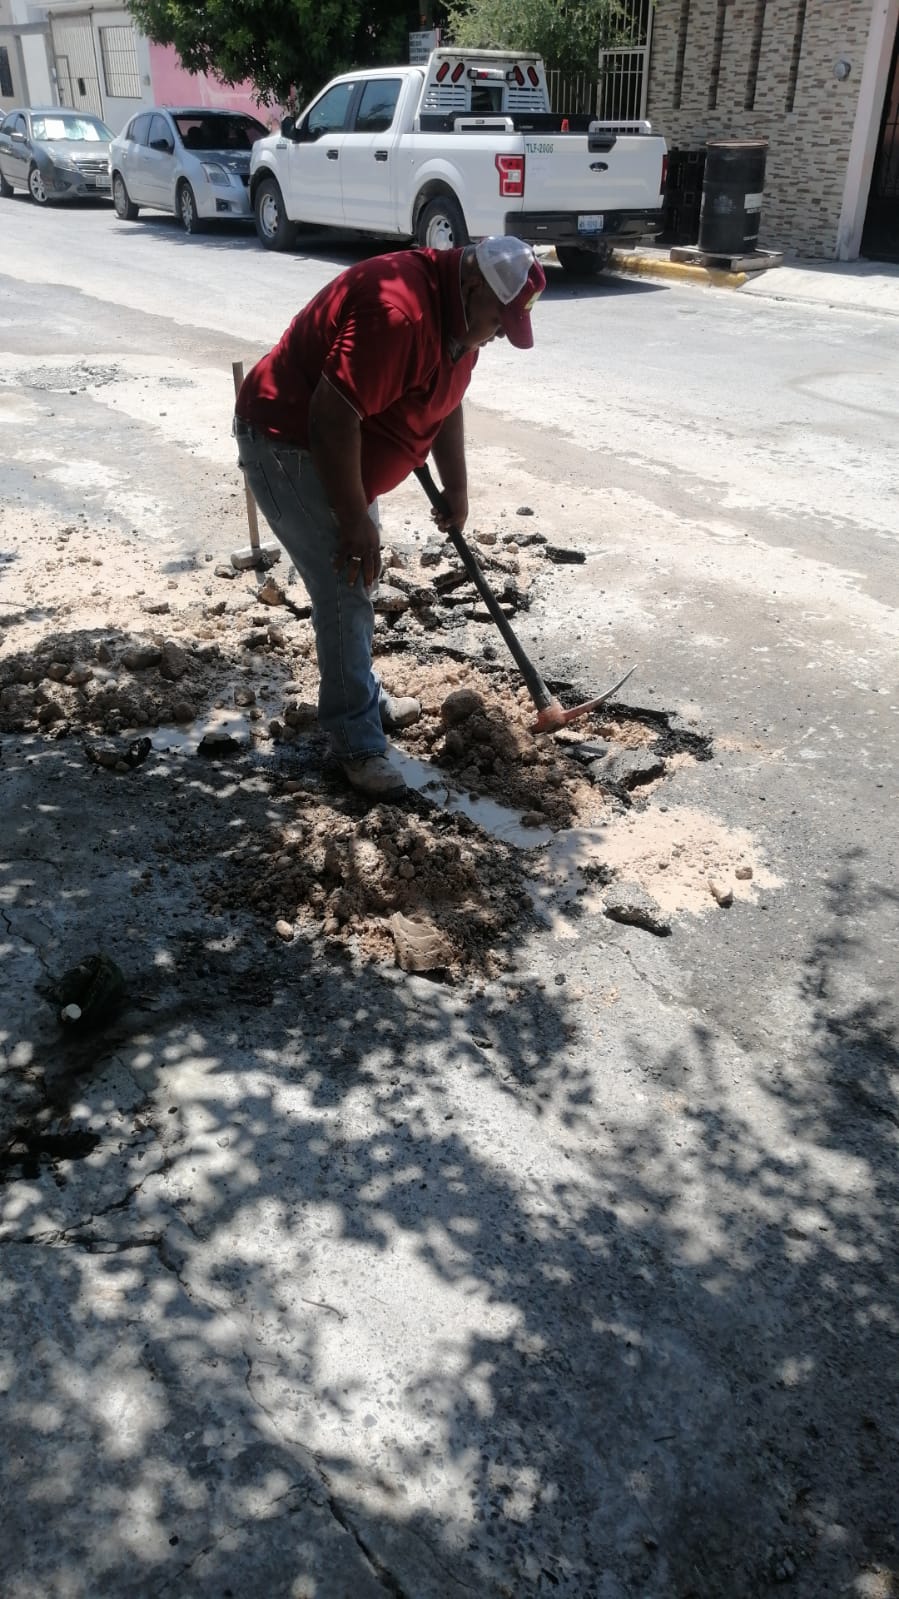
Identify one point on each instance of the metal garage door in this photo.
(78, 80)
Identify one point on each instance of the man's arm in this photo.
(448, 451)
(335, 444)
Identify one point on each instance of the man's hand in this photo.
(457, 510)
(359, 551)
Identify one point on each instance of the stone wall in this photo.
(806, 114)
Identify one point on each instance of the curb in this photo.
(643, 266)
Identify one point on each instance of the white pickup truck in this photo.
(456, 149)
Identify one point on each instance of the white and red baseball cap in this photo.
(511, 269)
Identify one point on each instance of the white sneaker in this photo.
(373, 775)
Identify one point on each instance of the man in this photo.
(367, 382)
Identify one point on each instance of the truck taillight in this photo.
(511, 176)
(532, 74)
(457, 71)
(442, 71)
(664, 174)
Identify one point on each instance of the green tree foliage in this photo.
(567, 33)
(286, 48)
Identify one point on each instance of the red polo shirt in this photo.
(380, 333)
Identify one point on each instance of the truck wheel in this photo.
(275, 231)
(582, 263)
(441, 225)
(121, 199)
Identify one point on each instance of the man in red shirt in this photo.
(367, 382)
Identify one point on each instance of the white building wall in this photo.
(36, 68)
(22, 35)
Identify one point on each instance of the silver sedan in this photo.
(193, 162)
(53, 153)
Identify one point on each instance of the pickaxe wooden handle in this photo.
(551, 714)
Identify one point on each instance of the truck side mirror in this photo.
(288, 127)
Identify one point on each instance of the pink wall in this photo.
(173, 86)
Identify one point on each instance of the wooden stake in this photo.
(237, 374)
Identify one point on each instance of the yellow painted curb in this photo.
(644, 266)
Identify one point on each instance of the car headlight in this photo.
(216, 175)
(62, 161)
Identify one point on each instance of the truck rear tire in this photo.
(275, 230)
(582, 263)
(441, 225)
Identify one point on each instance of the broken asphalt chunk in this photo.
(630, 904)
(219, 742)
(562, 557)
(420, 946)
(627, 769)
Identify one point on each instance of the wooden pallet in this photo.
(758, 261)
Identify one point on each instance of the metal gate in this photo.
(77, 77)
(880, 239)
(619, 90)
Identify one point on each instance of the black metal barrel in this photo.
(732, 189)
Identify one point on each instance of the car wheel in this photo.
(121, 199)
(273, 226)
(441, 225)
(6, 189)
(191, 221)
(582, 263)
(36, 187)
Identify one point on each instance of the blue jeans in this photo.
(289, 493)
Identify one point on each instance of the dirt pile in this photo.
(349, 875)
(105, 639)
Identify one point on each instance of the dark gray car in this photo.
(54, 153)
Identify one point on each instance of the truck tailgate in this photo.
(562, 174)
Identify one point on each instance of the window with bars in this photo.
(6, 87)
(120, 70)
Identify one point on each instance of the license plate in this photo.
(590, 224)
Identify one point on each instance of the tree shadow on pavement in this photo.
(372, 1284)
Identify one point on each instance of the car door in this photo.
(314, 158)
(130, 159)
(16, 150)
(367, 164)
(158, 158)
(6, 127)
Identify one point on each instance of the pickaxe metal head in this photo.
(554, 715)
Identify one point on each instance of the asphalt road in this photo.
(700, 1258)
(777, 417)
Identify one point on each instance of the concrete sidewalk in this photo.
(868, 286)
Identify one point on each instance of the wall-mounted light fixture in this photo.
(842, 69)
